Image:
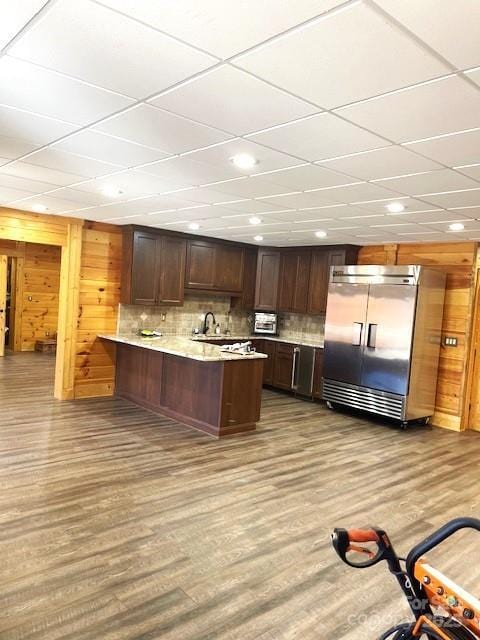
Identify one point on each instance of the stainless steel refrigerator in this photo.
(382, 339)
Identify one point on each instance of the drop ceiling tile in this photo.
(301, 200)
(247, 187)
(455, 199)
(470, 225)
(100, 146)
(70, 163)
(382, 163)
(472, 172)
(222, 27)
(44, 92)
(138, 207)
(83, 198)
(267, 159)
(319, 137)
(380, 206)
(108, 49)
(153, 127)
(333, 62)
(451, 28)
(444, 106)
(184, 170)
(208, 195)
(235, 101)
(133, 184)
(443, 180)
(15, 16)
(9, 194)
(308, 176)
(474, 75)
(33, 172)
(465, 212)
(30, 128)
(11, 148)
(451, 150)
(420, 217)
(253, 206)
(358, 193)
(15, 182)
(327, 213)
(54, 205)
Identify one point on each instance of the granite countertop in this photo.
(184, 347)
(318, 343)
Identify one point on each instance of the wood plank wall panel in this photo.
(39, 294)
(457, 260)
(98, 309)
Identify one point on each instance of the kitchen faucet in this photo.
(205, 323)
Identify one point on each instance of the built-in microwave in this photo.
(265, 323)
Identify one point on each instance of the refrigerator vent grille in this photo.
(365, 399)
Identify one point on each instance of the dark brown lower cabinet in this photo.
(219, 398)
(269, 348)
(317, 374)
(283, 367)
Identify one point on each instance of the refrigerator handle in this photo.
(372, 335)
(357, 334)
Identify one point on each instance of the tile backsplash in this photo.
(182, 320)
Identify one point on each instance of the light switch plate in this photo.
(450, 341)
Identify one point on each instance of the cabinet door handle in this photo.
(296, 351)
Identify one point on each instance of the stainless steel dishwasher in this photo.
(302, 370)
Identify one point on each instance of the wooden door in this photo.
(3, 302)
(172, 270)
(228, 268)
(145, 268)
(269, 348)
(266, 286)
(283, 367)
(200, 270)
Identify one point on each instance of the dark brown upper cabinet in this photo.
(214, 267)
(247, 299)
(266, 288)
(153, 268)
(294, 280)
(322, 260)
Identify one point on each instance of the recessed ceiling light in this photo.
(395, 207)
(255, 220)
(39, 208)
(111, 191)
(321, 234)
(244, 161)
(456, 226)
(258, 238)
(194, 226)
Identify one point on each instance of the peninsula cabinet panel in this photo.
(294, 279)
(266, 288)
(131, 369)
(200, 272)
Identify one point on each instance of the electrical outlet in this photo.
(450, 341)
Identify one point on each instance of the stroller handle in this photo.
(437, 537)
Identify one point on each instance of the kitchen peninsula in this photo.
(195, 383)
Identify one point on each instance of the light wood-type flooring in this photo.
(117, 524)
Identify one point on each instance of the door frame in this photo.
(21, 227)
(473, 354)
(3, 301)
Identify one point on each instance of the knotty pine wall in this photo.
(457, 260)
(38, 285)
(98, 308)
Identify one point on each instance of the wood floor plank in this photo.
(119, 524)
